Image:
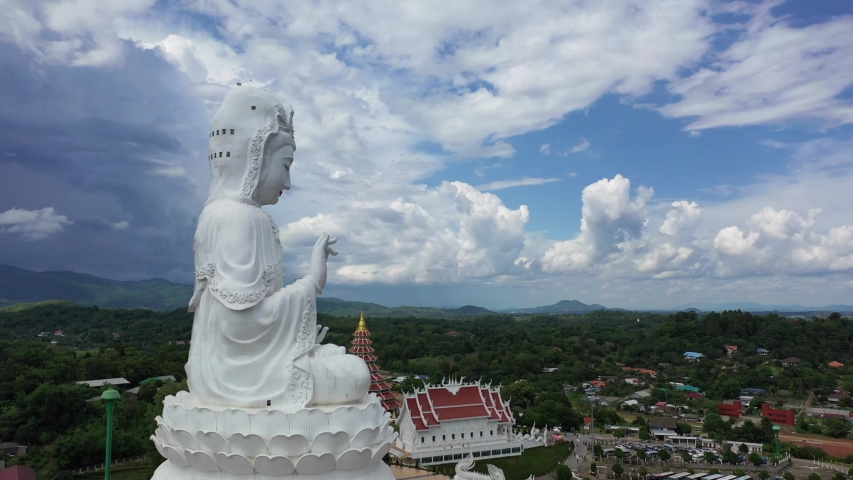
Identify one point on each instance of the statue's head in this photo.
(250, 147)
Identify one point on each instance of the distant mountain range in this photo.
(758, 307)
(18, 285)
(21, 286)
(563, 306)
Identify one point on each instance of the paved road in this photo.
(577, 460)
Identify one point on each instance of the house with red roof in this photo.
(836, 364)
(444, 423)
(18, 473)
(731, 350)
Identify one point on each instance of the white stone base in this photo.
(169, 471)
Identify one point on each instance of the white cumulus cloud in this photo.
(33, 224)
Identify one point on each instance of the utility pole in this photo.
(110, 397)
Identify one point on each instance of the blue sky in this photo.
(638, 154)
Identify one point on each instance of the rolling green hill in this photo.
(21, 289)
(18, 285)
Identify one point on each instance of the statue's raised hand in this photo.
(319, 256)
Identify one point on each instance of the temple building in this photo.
(378, 383)
(444, 423)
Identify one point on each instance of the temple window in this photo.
(220, 154)
(453, 436)
(217, 132)
(227, 154)
(269, 403)
(433, 438)
(253, 107)
(443, 438)
(232, 131)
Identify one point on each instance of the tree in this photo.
(641, 455)
(642, 471)
(764, 475)
(714, 471)
(645, 434)
(710, 457)
(619, 454)
(564, 473)
(850, 472)
(837, 427)
(593, 468)
(755, 459)
(738, 472)
(619, 433)
(742, 448)
(814, 476)
(838, 476)
(664, 455)
(617, 469)
(730, 457)
(788, 476)
(686, 457)
(597, 450)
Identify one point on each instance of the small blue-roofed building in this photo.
(762, 352)
(693, 356)
(687, 388)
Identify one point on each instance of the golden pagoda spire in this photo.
(362, 325)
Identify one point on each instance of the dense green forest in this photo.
(40, 406)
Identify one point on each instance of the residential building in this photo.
(18, 473)
(633, 381)
(791, 362)
(762, 352)
(692, 356)
(662, 424)
(695, 396)
(444, 423)
(731, 408)
(104, 381)
(828, 413)
(662, 428)
(753, 391)
(837, 396)
(784, 417)
(59, 333)
(835, 364)
(687, 388)
(751, 447)
(731, 350)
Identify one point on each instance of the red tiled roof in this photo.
(455, 413)
(835, 364)
(587, 420)
(18, 473)
(466, 395)
(438, 404)
(695, 395)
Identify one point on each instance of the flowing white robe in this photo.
(245, 351)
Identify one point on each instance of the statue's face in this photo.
(275, 178)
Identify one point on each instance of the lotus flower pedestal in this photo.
(333, 442)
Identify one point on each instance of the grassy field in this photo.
(536, 461)
(130, 472)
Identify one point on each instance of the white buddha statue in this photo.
(254, 342)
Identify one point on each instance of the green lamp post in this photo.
(776, 430)
(110, 397)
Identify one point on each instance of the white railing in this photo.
(101, 466)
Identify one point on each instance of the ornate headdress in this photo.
(287, 126)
